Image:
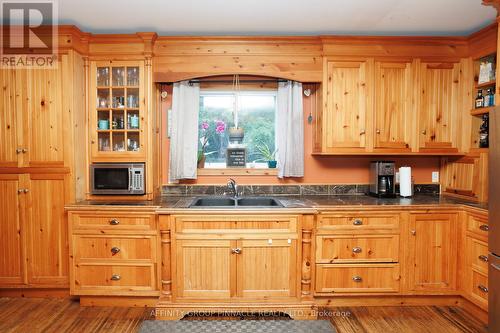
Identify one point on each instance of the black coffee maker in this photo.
(382, 179)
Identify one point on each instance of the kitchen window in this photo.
(256, 115)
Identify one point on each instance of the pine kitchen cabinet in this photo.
(433, 254)
(439, 107)
(346, 105)
(34, 231)
(33, 120)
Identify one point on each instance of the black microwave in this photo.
(117, 178)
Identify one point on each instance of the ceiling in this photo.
(278, 17)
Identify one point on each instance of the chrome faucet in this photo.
(233, 187)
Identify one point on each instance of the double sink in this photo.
(243, 202)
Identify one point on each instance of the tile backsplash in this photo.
(284, 190)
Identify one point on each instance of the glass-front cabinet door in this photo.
(117, 110)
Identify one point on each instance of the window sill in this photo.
(237, 172)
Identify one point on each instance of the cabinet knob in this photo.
(114, 222)
(357, 278)
(424, 132)
(26, 190)
(20, 191)
(357, 222)
(413, 232)
(25, 150)
(115, 277)
(363, 132)
(357, 250)
(483, 258)
(115, 250)
(378, 131)
(236, 251)
(484, 227)
(19, 151)
(482, 288)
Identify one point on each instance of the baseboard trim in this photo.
(389, 300)
(475, 310)
(119, 301)
(35, 293)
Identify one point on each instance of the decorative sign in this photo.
(236, 157)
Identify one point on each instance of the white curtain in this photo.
(290, 130)
(184, 131)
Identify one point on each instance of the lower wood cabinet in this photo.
(433, 254)
(113, 252)
(238, 257)
(230, 268)
(33, 231)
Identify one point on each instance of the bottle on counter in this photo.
(484, 132)
(479, 99)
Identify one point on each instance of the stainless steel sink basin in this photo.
(259, 202)
(213, 202)
(224, 202)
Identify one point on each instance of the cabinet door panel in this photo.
(392, 105)
(438, 106)
(434, 244)
(43, 109)
(346, 113)
(11, 268)
(205, 268)
(8, 119)
(47, 232)
(267, 268)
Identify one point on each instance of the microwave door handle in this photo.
(130, 174)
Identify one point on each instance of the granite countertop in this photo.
(296, 203)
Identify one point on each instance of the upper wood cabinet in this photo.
(33, 123)
(438, 107)
(392, 106)
(117, 111)
(346, 104)
(433, 252)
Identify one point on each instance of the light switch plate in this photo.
(435, 176)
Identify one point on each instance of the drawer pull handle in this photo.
(484, 227)
(19, 151)
(483, 258)
(115, 250)
(114, 222)
(357, 278)
(357, 250)
(115, 277)
(357, 222)
(236, 250)
(482, 288)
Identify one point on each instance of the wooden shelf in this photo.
(481, 111)
(485, 84)
(478, 150)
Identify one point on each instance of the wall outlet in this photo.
(435, 176)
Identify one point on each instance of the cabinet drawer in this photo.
(110, 221)
(360, 222)
(228, 224)
(344, 278)
(479, 286)
(478, 254)
(114, 277)
(90, 247)
(338, 249)
(478, 226)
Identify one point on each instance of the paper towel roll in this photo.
(405, 189)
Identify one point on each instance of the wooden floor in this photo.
(64, 315)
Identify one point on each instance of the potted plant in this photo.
(206, 133)
(267, 155)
